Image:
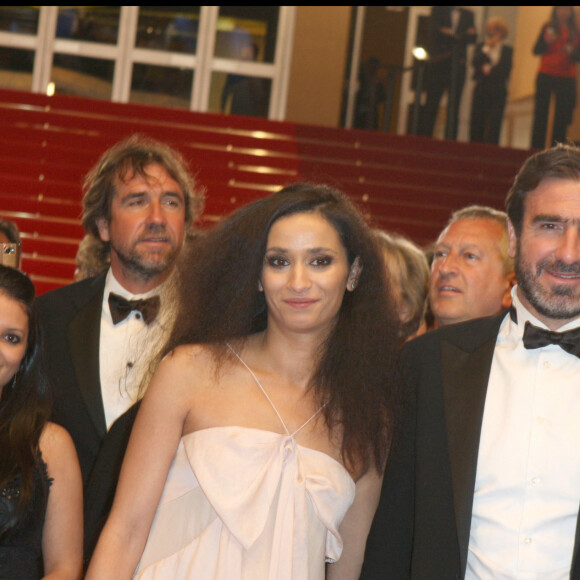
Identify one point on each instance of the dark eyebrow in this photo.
(14, 331)
(549, 218)
(140, 194)
(132, 194)
(310, 251)
(319, 250)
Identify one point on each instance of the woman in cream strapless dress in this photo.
(260, 443)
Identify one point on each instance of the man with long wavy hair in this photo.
(141, 202)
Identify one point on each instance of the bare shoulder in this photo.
(57, 448)
(53, 438)
(190, 355)
(181, 373)
(184, 360)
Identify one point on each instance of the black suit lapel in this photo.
(465, 372)
(83, 334)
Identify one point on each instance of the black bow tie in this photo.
(535, 337)
(121, 307)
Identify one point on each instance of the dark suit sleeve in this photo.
(102, 483)
(503, 69)
(439, 42)
(389, 544)
(469, 37)
(500, 72)
(478, 61)
(479, 57)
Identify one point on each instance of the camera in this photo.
(10, 255)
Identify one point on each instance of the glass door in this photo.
(231, 59)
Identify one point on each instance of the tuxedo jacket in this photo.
(422, 525)
(70, 318)
(499, 73)
(442, 44)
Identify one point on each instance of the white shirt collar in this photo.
(113, 285)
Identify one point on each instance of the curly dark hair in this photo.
(25, 402)
(355, 373)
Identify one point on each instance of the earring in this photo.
(260, 288)
(355, 271)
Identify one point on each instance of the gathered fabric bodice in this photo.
(242, 503)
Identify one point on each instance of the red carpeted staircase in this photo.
(404, 184)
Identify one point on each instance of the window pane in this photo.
(89, 23)
(20, 19)
(239, 94)
(171, 28)
(160, 85)
(82, 76)
(16, 68)
(247, 32)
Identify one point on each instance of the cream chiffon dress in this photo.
(247, 504)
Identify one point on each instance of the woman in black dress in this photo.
(40, 481)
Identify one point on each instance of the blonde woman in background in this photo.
(492, 65)
(409, 275)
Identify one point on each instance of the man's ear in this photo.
(354, 274)
(103, 226)
(506, 301)
(513, 240)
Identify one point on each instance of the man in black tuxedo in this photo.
(141, 200)
(452, 29)
(484, 481)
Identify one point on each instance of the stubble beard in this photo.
(145, 266)
(558, 301)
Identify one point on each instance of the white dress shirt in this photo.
(122, 359)
(527, 488)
